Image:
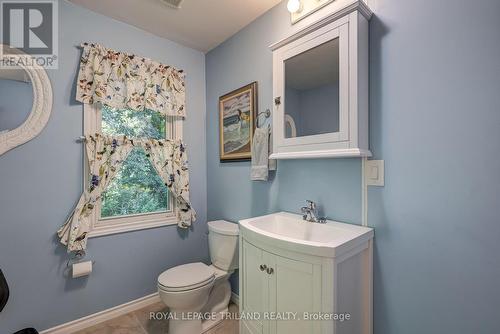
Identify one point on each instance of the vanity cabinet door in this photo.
(294, 286)
(255, 288)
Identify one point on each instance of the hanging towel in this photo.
(273, 163)
(260, 155)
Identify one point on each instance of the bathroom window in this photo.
(136, 198)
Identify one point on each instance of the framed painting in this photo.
(237, 111)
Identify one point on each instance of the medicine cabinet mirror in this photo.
(320, 87)
(312, 91)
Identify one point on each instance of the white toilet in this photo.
(195, 289)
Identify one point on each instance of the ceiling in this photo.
(198, 24)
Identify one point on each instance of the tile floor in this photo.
(138, 322)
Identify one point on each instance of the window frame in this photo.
(92, 122)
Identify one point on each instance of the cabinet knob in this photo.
(270, 271)
(277, 100)
(263, 267)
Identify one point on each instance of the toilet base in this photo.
(180, 325)
(208, 324)
(184, 326)
(220, 295)
(196, 311)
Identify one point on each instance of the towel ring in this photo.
(266, 113)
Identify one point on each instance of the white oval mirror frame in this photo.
(42, 103)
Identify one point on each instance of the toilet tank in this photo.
(223, 244)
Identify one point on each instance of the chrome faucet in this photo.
(310, 213)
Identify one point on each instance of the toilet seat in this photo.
(219, 272)
(186, 277)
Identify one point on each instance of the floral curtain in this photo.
(106, 155)
(170, 162)
(122, 80)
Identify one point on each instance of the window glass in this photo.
(136, 188)
(133, 124)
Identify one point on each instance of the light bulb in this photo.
(294, 6)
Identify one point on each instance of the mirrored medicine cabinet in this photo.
(320, 87)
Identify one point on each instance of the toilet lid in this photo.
(186, 277)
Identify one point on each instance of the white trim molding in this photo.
(235, 298)
(42, 102)
(99, 317)
(340, 153)
(364, 193)
(135, 223)
(312, 7)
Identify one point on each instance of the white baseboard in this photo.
(235, 298)
(102, 316)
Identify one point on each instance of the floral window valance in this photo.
(122, 80)
(105, 156)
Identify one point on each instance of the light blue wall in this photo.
(435, 120)
(14, 111)
(41, 181)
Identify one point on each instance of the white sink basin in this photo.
(289, 231)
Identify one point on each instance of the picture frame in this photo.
(237, 119)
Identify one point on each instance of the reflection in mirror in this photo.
(312, 91)
(290, 129)
(16, 98)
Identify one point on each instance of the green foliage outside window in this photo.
(137, 188)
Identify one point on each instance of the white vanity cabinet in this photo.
(282, 282)
(320, 88)
(275, 284)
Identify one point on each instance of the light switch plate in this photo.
(374, 173)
